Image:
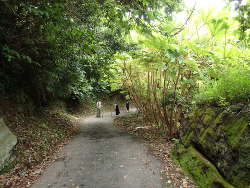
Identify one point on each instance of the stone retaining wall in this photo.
(222, 136)
(7, 142)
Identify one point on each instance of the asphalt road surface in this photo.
(102, 156)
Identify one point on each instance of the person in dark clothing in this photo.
(127, 105)
(117, 110)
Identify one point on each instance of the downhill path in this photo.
(102, 156)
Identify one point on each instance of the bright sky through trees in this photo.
(216, 5)
(203, 4)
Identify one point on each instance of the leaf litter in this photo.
(158, 146)
(41, 137)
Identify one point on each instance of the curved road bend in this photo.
(102, 156)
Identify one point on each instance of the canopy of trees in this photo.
(84, 49)
(64, 48)
(75, 49)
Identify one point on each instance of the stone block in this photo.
(7, 141)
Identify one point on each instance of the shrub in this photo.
(232, 86)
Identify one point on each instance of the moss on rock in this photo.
(223, 137)
(235, 130)
(208, 116)
(199, 168)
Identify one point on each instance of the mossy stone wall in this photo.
(202, 171)
(222, 136)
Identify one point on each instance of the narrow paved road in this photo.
(102, 156)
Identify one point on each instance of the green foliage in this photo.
(167, 75)
(65, 48)
(243, 10)
(160, 79)
(232, 86)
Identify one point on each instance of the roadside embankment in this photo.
(215, 149)
(40, 134)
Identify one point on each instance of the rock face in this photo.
(223, 138)
(202, 171)
(7, 142)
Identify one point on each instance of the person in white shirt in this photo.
(98, 107)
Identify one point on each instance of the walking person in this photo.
(127, 105)
(98, 108)
(117, 110)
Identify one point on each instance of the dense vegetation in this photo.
(63, 49)
(170, 72)
(74, 50)
(192, 82)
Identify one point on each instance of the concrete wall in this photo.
(7, 142)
